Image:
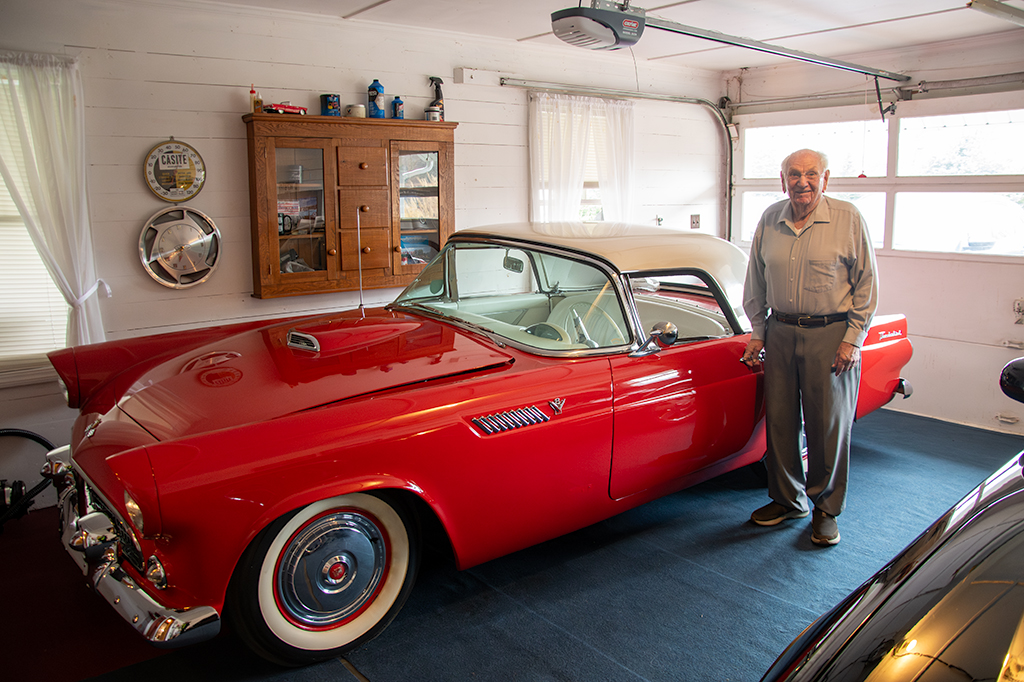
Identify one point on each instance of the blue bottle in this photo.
(397, 107)
(375, 95)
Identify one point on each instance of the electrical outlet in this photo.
(695, 222)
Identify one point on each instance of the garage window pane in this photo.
(960, 222)
(989, 143)
(870, 204)
(852, 147)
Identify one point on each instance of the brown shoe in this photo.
(774, 513)
(824, 529)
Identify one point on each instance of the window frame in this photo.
(891, 184)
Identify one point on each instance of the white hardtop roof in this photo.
(638, 248)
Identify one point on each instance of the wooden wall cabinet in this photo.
(331, 196)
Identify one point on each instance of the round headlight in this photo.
(134, 511)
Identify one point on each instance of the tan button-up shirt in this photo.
(828, 267)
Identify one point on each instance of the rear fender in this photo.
(886, 351)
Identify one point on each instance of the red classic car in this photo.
(532, 380)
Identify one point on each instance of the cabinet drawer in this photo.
(376, 251)
(362, 166)
(372, 205)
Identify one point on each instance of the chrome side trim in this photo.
(92, 543)
(509, 420)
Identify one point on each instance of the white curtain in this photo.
(567, 132)
(43, 163)
(615, 167)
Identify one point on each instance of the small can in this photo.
(330, 105)
(397, 107)
(432, 114)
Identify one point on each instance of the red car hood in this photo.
(255, 375)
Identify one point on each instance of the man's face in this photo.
(804, 182)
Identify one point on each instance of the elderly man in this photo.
(810, 293)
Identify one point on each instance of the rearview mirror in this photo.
(513, 264)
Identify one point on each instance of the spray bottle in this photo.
(438, 97)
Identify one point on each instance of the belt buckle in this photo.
(800, 321)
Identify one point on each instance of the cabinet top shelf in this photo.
(292, 119)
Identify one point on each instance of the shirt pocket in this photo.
(821, 275)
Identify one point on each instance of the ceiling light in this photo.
(998, 9)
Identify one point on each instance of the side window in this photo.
(686, 300)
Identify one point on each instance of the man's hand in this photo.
(847, 357)
(752, 354)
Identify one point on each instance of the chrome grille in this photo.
(512, 419)
(124, 536)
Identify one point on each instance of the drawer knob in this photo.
(364, 209)
(332, 252)
(366, 249)
(364, 165)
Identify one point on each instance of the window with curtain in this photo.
(581, 158)
(47, 273)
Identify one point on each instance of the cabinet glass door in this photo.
(301, 239)
(418, 205)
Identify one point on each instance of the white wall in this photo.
(181, 68)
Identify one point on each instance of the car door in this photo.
(689, 405)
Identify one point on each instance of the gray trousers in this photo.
(798, 377)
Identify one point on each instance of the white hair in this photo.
(822, 159)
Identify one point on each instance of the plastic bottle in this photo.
(397, 107)
(255, 100)
(375, 97)
(438, 97)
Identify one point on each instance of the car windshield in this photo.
(533, 298)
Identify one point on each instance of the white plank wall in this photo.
(153, 70)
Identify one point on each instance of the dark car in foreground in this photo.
(949, 607)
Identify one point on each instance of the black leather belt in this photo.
(809, 320)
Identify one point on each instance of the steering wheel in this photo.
(547, 330)
(612, 335)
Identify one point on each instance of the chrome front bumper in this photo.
(91, 541)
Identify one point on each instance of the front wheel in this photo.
(326, 578)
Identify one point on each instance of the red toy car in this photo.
(283, 108)
(533, 380)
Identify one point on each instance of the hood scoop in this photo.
(303, 341)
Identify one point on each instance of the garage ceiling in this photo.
(829, 29)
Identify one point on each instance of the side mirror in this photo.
(1011, 380)
(665, 333)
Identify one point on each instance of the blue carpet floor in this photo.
(683, 588)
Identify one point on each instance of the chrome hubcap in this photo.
(331, 569)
